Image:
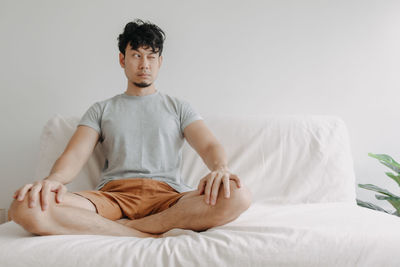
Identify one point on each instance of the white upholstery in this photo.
(287, 159)
(300, 171)
(298, 159)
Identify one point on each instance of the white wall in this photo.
(228, 57)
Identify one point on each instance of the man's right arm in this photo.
(75, 155)
(67, 166)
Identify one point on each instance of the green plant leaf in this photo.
(394, 177)
(370, 206)
(394, 201)
(387, 161)
(377, 189)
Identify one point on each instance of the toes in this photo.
(123, 221)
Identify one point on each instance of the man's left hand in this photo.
(209, 185)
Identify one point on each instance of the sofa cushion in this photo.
(282, 159)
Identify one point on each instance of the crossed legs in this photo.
(192, 213)
(77, 215)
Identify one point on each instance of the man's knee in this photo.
(239, 201)
(32, 219)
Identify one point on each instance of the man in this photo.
(142, 132)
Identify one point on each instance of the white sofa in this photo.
(304, 212)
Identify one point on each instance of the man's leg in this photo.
(75, 215)
(191, 212)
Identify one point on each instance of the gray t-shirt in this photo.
(141, 136)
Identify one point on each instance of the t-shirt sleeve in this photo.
(92, 117)
(188, 115)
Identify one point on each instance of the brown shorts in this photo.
(133, 198)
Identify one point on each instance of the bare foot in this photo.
(123, 221)
(127, 222)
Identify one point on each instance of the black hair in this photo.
(138, 33)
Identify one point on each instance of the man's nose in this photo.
(144, 63)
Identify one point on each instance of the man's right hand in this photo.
(41, 189)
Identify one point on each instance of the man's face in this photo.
(141, 65)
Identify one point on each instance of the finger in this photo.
(226, 186)
(23, 190)
(208, 187)
(201, 186)
(45, 195)
(215, 188)
(60, 193)
(237, 180)
(16, 193)
(34, 193)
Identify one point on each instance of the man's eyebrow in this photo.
(150, 53)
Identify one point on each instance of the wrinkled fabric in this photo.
(317, 234)
(304, 213)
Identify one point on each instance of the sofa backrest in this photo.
(282, 159)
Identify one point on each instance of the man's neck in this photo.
(138, 91)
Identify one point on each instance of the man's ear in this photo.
(160, 59)
(121, 60)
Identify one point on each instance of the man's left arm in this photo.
(213, 154)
